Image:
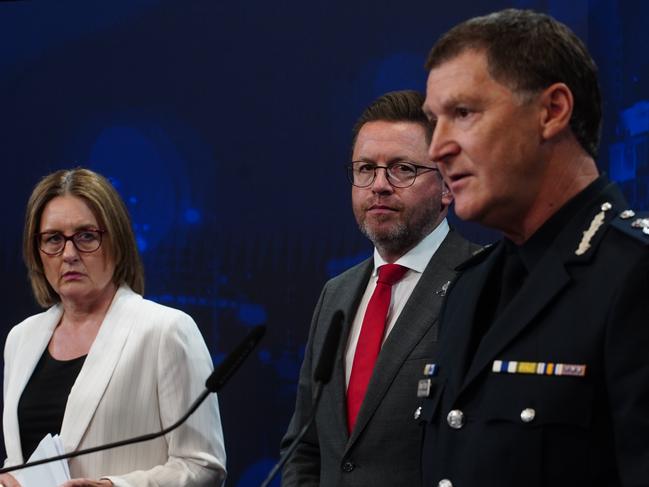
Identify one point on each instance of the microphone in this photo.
(232, 362)
(217, 379)
(321, 377)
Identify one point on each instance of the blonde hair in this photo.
(111, 213)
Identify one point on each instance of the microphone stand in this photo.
(214, 383)
(150, 436)
(321, 377)
(296, 441)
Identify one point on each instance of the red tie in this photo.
(369, 341)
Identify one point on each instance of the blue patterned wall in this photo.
(225, 126)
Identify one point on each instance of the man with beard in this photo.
(365, 431)
(543, 375)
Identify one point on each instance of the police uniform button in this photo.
(606, 206)
(626, 214)
(417, 413)
(348, 467)
(455, 419)
(445, 483)
(527, 415)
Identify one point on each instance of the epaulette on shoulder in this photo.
(477, 257)
(634, 224)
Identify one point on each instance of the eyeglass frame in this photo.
(70, 238)
(419, 169)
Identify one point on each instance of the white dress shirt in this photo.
(416, 260)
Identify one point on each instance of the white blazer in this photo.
(146, 366)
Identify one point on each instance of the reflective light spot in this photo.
(635, 119)
(192, 215)
(256, 473)
(141, 243)
(252, 314)
(264, 356)
(336, 266)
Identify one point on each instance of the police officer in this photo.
(543, 375)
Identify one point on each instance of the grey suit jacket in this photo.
(384, 448)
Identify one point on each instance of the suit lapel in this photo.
(418, 316)
(30, 350)
(98, 368)
(346, 298)
(458, 320)
(545, 282)
(33, 347)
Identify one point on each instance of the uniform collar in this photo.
(535, 247)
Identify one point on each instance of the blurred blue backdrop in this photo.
(226, 126)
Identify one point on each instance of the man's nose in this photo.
(442, 144)
(381, 183)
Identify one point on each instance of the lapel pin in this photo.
(423, 388)
(430, 370)
(417, 414)
(442, 290)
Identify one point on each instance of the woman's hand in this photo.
(8, 480)
(87, 483)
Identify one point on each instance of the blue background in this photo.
(226, 126)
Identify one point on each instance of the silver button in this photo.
(626, 214)
(418, 412)
(445, 483)
(455, 419)
(527, 415)
(606, 206)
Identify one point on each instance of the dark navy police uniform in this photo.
(548, 386)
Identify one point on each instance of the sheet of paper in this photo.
(50, 474)
(58, 443)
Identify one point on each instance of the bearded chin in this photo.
(398, 237)
(395, 238)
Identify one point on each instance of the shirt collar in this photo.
(417, 258)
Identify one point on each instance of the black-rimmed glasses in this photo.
(400, 174)
(53, 243)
